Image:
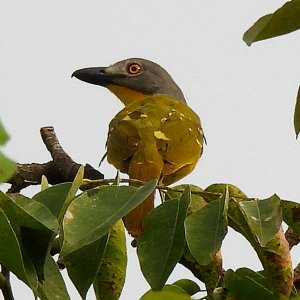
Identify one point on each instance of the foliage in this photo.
(89, 225)
(92, 239)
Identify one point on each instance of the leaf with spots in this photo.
(91, 214)
(110, 277)
(264, 217)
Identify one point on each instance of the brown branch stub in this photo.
(297, 278)
(55, 249)
(61, 169)
(52, 144)
(292, 238)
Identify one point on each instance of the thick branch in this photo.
(211, 275)
(61, 169)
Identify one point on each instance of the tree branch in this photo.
(5, 284)
(61, 169)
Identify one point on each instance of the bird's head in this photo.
(132, 79)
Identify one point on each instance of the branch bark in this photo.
(292, 238)
(297, 278)
(61, 169)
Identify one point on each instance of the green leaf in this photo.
(44, 183)
(83, 264)
(54, 197)
(28, 213)
(4, 137)
(189, 286)
(87, 221)
(161, 243)
(291, 215)
(284, 20)
(11, 254)
(36, 225)
(36, 244)
(165, 295)
(7, 168)
(110, 277)
(264, 217)
(246, 284)
(32, 278)
(53, 287)
(77, 182)
(206, 229)
(92, 213)
(197, 202)
(168, 288)
(173, 288)
(10, 251)
(297, 114)
(219, 188)
(235, 215)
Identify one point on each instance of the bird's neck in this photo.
(125, 94)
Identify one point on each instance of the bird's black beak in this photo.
(94, 75)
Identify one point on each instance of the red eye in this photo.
(133, 69)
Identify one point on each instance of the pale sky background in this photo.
(244, 96)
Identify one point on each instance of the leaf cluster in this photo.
(191, 223)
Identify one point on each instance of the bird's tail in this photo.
(145, 169)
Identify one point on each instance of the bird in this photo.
(156, 135)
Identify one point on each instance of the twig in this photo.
(55, 249)
(5, 284)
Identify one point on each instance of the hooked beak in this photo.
(95, 75)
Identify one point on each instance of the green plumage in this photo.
(159, 130)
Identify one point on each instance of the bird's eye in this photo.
(134, 69)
